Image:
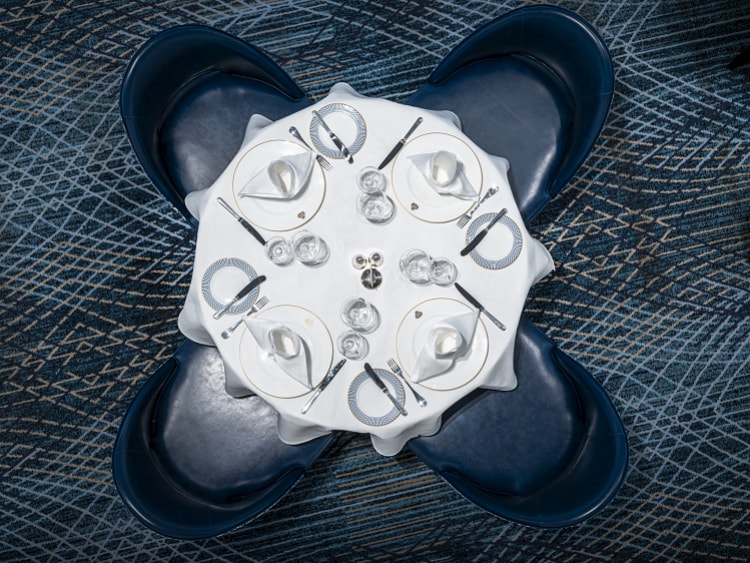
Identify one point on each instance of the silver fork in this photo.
(319, 157)
(259, 304)
(468, 215)
(395, 368)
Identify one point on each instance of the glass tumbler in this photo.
(352, 345)
(443, 271)
(376, 207)
(371, 180)
(415, 265)
(279, 251)
(360, 315)
(309, 248)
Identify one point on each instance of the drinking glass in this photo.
(443, 271)
(360, 315)
(371, 180)
(376, 208)
(279, 251)
(309, 248)
(352, 345)
(415, 266)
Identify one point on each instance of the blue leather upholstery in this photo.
(550, 453)
(534, 86)
(185, 100)
(192, 462)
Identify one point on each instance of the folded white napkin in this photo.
(444, 173)
(447, 341)
(287, 348)
(284, 178)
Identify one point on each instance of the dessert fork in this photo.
(468, 215)
(395, 368)
(259, 304)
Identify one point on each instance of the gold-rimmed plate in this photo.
(412, 335)
(413, 191)
(277, 214)
(265, 374)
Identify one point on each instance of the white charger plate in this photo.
(415, 194)
(412, 335)
(263, 372)
(277, 214)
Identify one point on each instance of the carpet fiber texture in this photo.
(651, 241)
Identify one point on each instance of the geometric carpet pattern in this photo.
(651, 241)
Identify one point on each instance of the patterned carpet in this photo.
(651, 292)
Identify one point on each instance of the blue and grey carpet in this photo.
(651, 293)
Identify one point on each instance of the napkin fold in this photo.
(444, 173)
(287, 348)
(283, 178)
(446, 342)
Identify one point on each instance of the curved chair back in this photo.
(533, 85)
(192, 462)
(185, 100)
(551, 453)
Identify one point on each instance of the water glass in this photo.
(443, 271)
(360, 315)
(309, 248)
(279, 251)
(415, 265)
(352, 345)
(376, 208)
(371, 180)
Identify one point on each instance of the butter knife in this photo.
(248, 227)
(243, 292)
(336, 141)
(379, 382)
(322, 385)
(483, 233)
(471, 299)
(400, 144)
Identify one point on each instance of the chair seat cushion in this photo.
(531, 435)
(215, 446)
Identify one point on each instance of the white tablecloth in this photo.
(320, 291)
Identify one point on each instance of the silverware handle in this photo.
(494, 319)
(311, 400)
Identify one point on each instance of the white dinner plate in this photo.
(277, 214)
(413, 191)
(261, 369)
(346, 123)
(412, 336)
(224, 279)
(369, 404)
(500, 247)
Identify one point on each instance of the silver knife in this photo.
(379, 382)
(323, 384)
(471, 299)
(336, 141)
(400, 144)
(483, 233)
(255, 282)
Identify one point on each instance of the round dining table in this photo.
(359, 252)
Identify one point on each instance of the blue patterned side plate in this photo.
(318, 134)
(496, 263)
(215, 269)
(357, 409)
